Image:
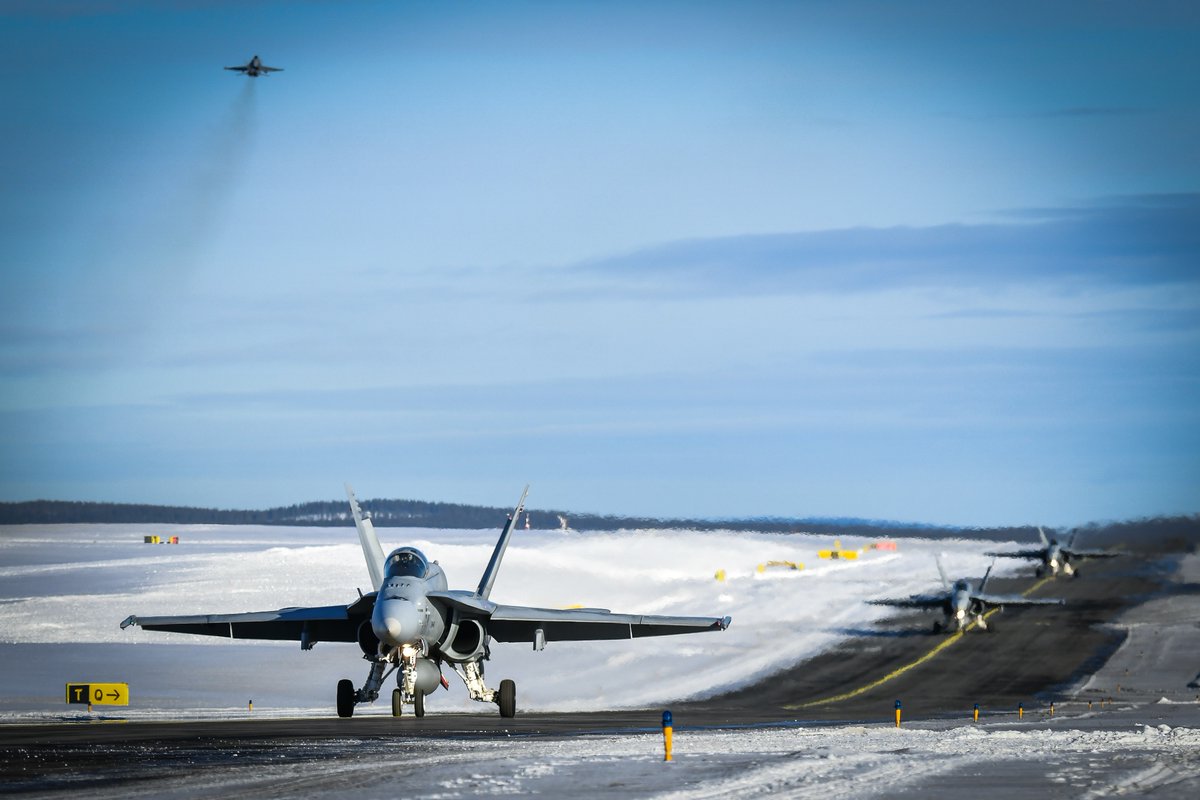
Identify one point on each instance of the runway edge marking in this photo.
(901, 670)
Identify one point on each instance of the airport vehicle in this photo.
(961, 603)
(1055, 556)
(413, 623)
(254, 67)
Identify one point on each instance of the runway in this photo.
(1036, 657)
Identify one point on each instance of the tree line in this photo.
(1180, 532)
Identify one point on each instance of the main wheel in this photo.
(345, 698)
(398, 703)
(937, 628)
(991, 627)
(419, 704)
(1039, 572)
(507, 698)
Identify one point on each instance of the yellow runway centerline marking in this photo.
(954, 637)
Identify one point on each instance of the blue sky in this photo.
(932, 262)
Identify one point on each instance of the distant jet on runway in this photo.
(1055, 556)
(412, 624)
(961, 604)
(254, 67)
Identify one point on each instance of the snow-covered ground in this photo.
(71, 585)
(64, 589)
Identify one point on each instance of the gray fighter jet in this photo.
(254, 67)
(1055, 556)
(962, 604)
(414, 624)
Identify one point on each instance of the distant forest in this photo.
(1181, 530)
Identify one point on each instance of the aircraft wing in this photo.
(914, 601)
(1019, 554)
(270, 69)
(1092, 553)
(238, 69)
(519, 624)
(1016, 600)
(305, 625)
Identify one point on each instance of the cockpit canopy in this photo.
(407, 562)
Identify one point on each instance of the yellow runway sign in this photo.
(100, 694)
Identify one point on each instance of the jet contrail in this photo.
(161, 259)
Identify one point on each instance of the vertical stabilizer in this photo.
(372, 552)
(489, 574)
(986, 575)
(942, 572)
(1042, 533)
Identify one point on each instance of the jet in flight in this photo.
(254, 67)
(1055, 556)
(961, 604)
(412, 623)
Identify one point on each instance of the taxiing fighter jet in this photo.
(961, 604)
(1055, 556)
(254, 67)
(414, 624)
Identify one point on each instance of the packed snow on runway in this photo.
(65, 589)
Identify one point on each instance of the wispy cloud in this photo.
(1138, 241)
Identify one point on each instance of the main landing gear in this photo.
(419, 676)
(348, 697)
(471, 673)
(506, 698)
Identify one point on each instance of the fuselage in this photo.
(1056, 559)
(403, 614)
(959, 607)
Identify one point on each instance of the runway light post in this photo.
(897, 713)
(1020, 711)
(667, 730)
(977, 712)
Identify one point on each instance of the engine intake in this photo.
(464, 640)
(367, 639)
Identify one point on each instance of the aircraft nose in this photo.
(395, 621)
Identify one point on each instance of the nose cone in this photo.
(396, 622)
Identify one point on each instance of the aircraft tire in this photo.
(507, 698)
(398, 704)
(937, 628)
(991, 628)
(1039, 572)
(345, 698)
(1075, 574)
(419, 704)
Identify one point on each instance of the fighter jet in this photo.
(254, 67)
(961, 604)
(1055, 556)
(414, 624)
